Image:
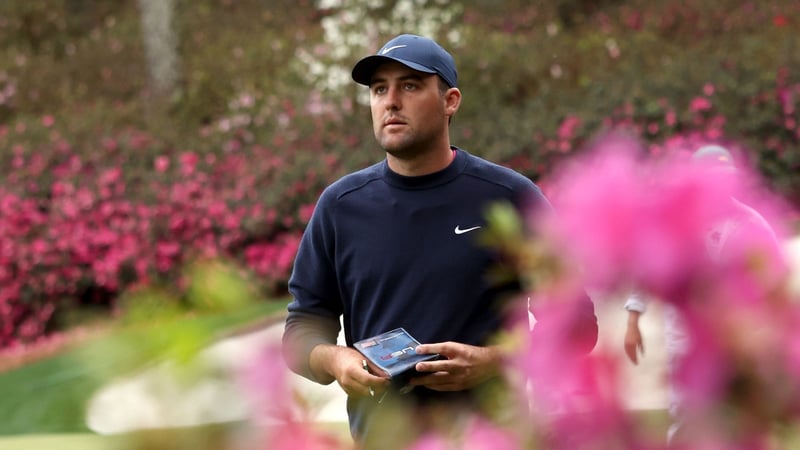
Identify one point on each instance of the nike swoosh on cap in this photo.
(458, 230)
(394, 47)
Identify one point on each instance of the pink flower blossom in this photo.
(670, 118)
(306, 211)
(161, 164)
(700, 104)
(628, 222)
(111, 176)
(432, 442)
(301, 436)
(568, 127)
(266, 384)
(267, 369)
(478, 435)
(188, 162)
(647, 221)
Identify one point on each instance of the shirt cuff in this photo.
(635, 304)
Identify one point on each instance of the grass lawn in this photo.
(49, 396)
(212, 437)
(64, 442)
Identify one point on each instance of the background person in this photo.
(740, 225)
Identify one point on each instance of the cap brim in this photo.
(364, 69)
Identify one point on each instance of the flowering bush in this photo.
(553, 77)
(80, 230)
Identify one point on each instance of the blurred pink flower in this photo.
(699, 104)
(188, 161)
(568, 127)
(670, 118)
(110, 176)
(161, 164)
(265, 380)
(432, 442)
(478, 435)
(272, 400)
(306, 211)
(110, 145)
(627, 221)
(483, 435)
(301, 436)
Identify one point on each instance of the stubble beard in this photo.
(408, 147)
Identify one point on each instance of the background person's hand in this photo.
(634, 344)
(463, 367)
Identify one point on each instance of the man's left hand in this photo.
(462, 367)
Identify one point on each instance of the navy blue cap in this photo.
(417, 52)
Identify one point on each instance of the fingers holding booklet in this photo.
(393, 355)
(459, 367)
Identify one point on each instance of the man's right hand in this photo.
(346, 366)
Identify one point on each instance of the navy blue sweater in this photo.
(385, 251)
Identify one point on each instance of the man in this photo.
(742, 226)
(394, 245)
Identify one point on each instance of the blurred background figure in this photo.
(741, 225)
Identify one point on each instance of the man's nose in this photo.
(392, 98)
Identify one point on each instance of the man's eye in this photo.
(410, 86)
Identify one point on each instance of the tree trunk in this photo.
(160, 46)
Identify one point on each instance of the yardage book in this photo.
(392, 354)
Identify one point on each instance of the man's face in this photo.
(408, 110)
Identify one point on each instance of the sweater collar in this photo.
(427, 181)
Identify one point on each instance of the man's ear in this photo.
(452, 99)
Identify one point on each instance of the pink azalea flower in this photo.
(625, 221)
(568, 127)
(300, 436)
(110, 176)
(306, 211)
(699, 104)
(188, 161)
(161, 164)
(432, 442)
(670, 118)
(478, 435)
(482, 435)
(266, 382)
(628, 222)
